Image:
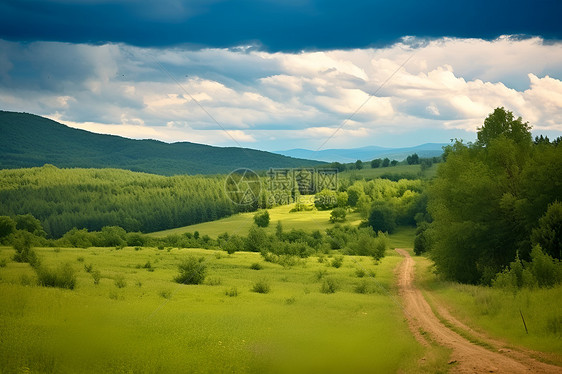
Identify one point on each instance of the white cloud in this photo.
(284, 100)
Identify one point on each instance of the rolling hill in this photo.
(366, 153)
(28, 140)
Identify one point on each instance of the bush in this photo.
(382, 217)
(192, 271)
(88, 268)
(96, 275)
(330, 285)
(120, 282)
(337, 262)
(232, 244)
(337, 215)
(421, 242)
(362, 287)
(325, 199)
(62, 277)
(261, 286)
(232, 292)
(542, 271)
(546, 270)
(24, 252)
(261, 219)
(256, 266)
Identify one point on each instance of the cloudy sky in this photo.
(277, 75)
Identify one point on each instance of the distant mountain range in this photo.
(366, 153)
(27, 140)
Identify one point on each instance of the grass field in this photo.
(241, 223)
(140, 321)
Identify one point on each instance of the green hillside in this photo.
(28, 141)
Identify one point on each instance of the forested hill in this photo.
(28, 140)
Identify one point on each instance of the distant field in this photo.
(369, 173)
(241, 223)
(154, 325)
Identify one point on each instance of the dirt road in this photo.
(466, 357)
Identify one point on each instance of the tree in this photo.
(382, 217)
(413, 159)
(358, 164)
(262, 218)
(337, 215)
(376, 163)
(257, 240)
(342, 198)
(502, 123)
(488, 196)
(7, 226)
(325, 199)
(393, 163)
(353, 194)
(385, 162)
(31, 224)
(548, 233)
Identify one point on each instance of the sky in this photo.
(277, 75)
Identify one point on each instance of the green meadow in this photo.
(240, 223)
(138, 320)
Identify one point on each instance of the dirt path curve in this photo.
(466, 357)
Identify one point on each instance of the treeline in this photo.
(413, 159)
(492, 202)
(286, 247)
(63, 199)
(382, 203)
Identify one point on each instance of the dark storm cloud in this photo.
(286, 25)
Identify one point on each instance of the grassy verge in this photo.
(498, 313)
(136, 319)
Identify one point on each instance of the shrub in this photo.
(546, 270)
(166, 294)
(360, 273)
(421, 242)
(213, 281)
(232, 292)
(61, 277)
(362, 287)
(382, 217)
(96, 275)
(232, 244)
(330, 285)
(325, 199)
(24, 253)
(256, 266)
(261, 286)
(337, 215)
(88, 268)
(337, 262)
(320, 273)
(148, 266)
(192, 271)
(262, 218)
(120, 281)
